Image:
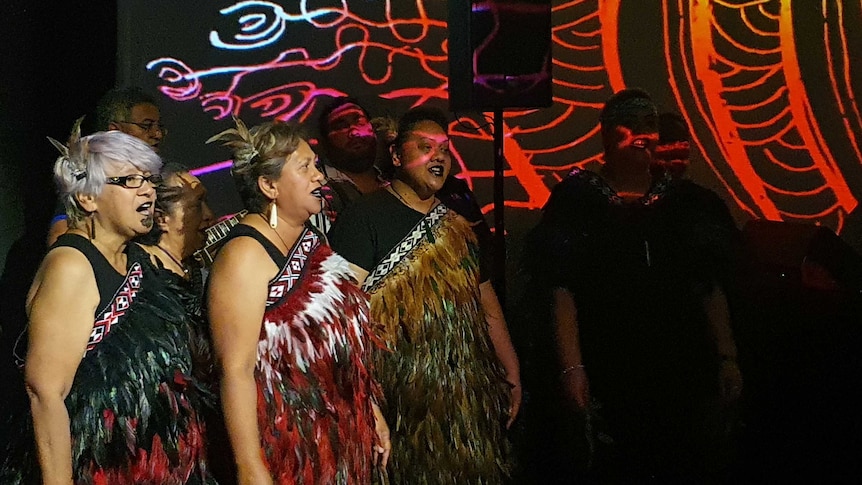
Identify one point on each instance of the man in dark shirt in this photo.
(349, 148)
(634, 274)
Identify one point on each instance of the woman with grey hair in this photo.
(107, 366)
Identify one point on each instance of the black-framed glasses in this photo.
(135, 181)
(149, 126)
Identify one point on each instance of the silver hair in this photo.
(81, 171)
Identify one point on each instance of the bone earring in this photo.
(273, 216)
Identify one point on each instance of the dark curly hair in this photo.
(117, 104)
(406, 124)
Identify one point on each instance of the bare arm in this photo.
(574, 376)
(718, 316)
(502, 344)
(500, 333)
(236, 303)
(61, 305)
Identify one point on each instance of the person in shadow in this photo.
(630, 353)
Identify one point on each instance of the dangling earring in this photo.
(92, 227)
(273, 216)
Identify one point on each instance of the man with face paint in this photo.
(672, 154)
(631, 277)
(349, 146)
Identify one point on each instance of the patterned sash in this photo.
(108, 317)
(656, 192)
(118, 306)
(420, 233)
(283, 283)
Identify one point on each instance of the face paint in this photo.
(630, 139)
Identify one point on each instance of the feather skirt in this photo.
(445, 389)
(314, 384)
(133, 406)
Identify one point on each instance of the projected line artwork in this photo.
(767, 89)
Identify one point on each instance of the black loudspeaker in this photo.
(801, 252)
(499, 54)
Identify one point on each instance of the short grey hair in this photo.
(82, 170)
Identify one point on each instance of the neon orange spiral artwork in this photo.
(737, 70)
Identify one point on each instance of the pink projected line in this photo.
(215, 167)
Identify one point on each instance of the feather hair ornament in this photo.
(240, 140)
(70, 152)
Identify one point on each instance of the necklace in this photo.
(395, 191)
(429, 235)
(175, 260)
(398, 194)
(275, 231)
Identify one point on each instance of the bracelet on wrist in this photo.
(571, 368)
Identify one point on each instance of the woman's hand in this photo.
(383, 445)
(516, 395)
(576, 386)
(503, 348)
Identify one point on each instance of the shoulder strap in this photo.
(216, 237)
(244, 230)
(107, 278)
(421, 232)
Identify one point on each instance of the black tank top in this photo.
(240, 230)
(108, 280)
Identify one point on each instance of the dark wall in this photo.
(56, 61)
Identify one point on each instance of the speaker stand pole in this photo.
(499, 277)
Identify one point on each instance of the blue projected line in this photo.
(250, 23)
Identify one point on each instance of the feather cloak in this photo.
(446, 391)
(133, 406)
(314, 384)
